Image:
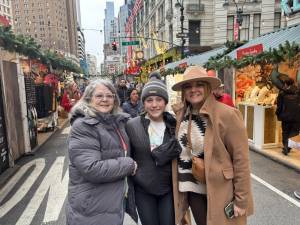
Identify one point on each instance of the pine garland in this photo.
(27, 46)
(287, 52)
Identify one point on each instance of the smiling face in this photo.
(103, 99)
(195, 93)
(155, 106)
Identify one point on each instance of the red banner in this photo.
(236, 30)
(252, 50)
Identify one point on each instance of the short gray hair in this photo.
(85, 101)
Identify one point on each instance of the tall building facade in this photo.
(6, 12)
(81, 44)
(207, 23)
(92, 64)
(72, 26)
(109, 21)
(51, 23)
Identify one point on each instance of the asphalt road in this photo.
(36, 194)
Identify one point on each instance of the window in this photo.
(161, 14)
(194, 32)
(230, 26)
(244, 30)
(256, 25)
(170, 34)
(277, 20)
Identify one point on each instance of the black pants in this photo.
(198, 204)
(155, 210)
(289, 129)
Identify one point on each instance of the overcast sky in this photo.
(92, 17)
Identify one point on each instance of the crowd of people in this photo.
(128, 154)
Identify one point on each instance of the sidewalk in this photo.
(42, 138)
(292, 160)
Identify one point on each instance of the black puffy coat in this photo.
(150, 177)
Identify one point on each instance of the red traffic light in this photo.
(114, 46)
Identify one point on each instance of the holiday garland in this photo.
(285, 52)
(27, 46)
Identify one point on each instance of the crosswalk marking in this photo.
(18, 196)
(272, 188)
(58, 187)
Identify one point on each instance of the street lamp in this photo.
(179, 5)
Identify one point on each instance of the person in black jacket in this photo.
(122, 91)
(287, 112)
(153, 145)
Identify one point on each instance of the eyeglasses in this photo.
(101, 97)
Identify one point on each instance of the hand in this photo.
(238, 211)
(135, 168)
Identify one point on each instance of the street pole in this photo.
(181, 26)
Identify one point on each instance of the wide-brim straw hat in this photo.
(197, 73)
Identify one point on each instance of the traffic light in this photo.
(114, 46)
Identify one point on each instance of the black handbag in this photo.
(166, 152)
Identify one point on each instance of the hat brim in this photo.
(213, 81)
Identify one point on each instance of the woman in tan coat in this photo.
(215, 132)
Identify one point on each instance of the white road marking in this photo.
(52, 180)
(272, 188)
(23, 190)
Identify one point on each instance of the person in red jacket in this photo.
(223, 97)
(70, 97)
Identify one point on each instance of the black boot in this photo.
(285, 151)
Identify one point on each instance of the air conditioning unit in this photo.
(195, 8)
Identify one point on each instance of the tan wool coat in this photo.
(227, 166)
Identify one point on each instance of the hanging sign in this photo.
(252, 50)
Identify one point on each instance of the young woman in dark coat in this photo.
(153, 147)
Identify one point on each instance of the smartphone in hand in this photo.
(229, 211)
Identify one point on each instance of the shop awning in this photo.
(199, 60)
(273, 39)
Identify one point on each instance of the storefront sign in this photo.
(252, 50)
(290, 7)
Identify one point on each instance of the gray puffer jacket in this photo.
(97, 169)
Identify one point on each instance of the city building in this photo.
(51, 23)
(6, 12)
(91, 61)
(81, 44)
(203, 25)
(109, 17)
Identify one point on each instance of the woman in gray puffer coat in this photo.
(98, 150)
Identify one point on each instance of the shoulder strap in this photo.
(190, 147)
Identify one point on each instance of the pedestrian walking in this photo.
(133, 106)
(287, 112)
(122, 91)
(223, 97)
(212, 173)
(99, 163)
(71, 96)
(153, 143)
